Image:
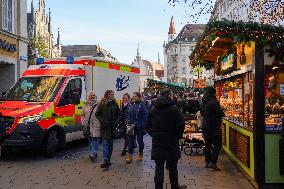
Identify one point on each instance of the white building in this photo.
(177, 52)
(264, 11)
(13, 41)
(148, 69)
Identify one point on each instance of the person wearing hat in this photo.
(212, 118)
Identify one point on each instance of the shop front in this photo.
(9, 62)
(249, 79)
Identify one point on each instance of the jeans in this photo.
(131, 142)
(125, 142)
(159, 174)
(107, 148)
(213, 147)
(93, 145)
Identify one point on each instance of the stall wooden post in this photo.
(259, 120)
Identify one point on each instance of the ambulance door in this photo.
(67, 112)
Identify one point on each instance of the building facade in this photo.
(39, 27)
(87, 50)
(177, 52)
(263, 11)
(13, 41)
(148, 70)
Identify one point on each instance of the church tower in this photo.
(42, 5)
(138, 59)
(172, 31)
(58, 38)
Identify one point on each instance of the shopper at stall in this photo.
(212, 118)
(192, 104)
(136, 115)
(91, 125)
(125, 102)
(108, 114)
(166, 125)
(181, 103)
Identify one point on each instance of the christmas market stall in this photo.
(155, 86)
(248, 61)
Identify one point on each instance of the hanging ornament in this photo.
(243, 56)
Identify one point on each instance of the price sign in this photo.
(199, 83)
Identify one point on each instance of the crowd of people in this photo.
(162, 117)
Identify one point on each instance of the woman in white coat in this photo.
(91, 124)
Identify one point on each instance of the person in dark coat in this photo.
(181, 103)
(192, 105)
(136, 114)
(125, 103)
(107, 114)
(212, 118)
(165, 125)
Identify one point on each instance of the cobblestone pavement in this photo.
(72, 169)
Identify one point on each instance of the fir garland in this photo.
(262, 34)
(158, 85)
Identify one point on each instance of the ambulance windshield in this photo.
(34, 89)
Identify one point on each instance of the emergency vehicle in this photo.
(43, 108)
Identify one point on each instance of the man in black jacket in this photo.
(212, 119)
(165, 125)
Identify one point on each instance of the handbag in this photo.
(130, 127)
(118, 131)
(87, 129)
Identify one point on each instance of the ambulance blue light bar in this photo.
(39, 61)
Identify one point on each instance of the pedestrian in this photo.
(108, 114)
(91, 124)
(212, 117)
(125, 102)
(192, 106)
(181, 102)
(165, 125)
(136, 116)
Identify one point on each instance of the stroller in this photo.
(191, 144)
(193, 138)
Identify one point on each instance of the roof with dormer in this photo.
(189, 33)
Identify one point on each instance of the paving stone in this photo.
(71, 168)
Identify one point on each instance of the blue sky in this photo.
(118, 25)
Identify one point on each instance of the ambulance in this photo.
(42, 110)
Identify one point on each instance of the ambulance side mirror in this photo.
(75, 98)
(3, 94)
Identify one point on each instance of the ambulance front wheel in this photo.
(51, 143)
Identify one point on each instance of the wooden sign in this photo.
(199, 83)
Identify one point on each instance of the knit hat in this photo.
(210, 90)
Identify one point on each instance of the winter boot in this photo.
(92, 158)
(105, 165)
(182, 187)
(123, 153)
(208, 165)
(140, 157)
(215, 167)
(129, 158)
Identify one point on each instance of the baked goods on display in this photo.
(273, 122)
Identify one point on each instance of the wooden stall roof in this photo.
(220, 36)
(218, 48)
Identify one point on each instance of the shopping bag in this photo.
(130, 129)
